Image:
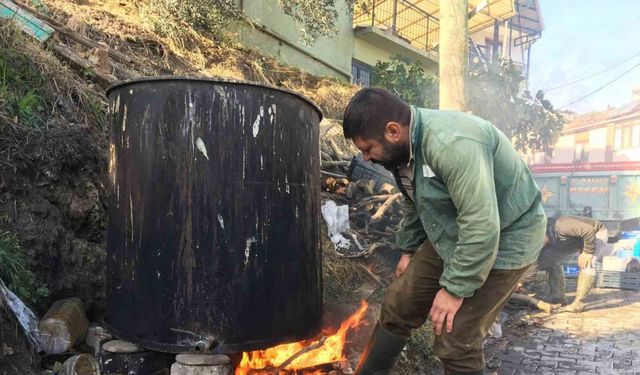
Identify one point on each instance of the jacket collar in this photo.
(412, 133)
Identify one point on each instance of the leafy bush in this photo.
(412, 84)
(172, 17)
(317, 17)
(15, 273)
(530, 122)
(494, 94)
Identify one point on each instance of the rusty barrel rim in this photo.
(128, 82)
(217, 348)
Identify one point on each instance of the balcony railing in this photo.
(403, 18)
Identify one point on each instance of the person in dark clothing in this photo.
(566, 236)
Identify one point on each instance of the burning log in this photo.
(302, 358)
(330, 368)
(301, 352)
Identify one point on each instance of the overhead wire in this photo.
(601, 87)
(594, 74)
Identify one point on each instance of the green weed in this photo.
(20, 87)
(15, 273)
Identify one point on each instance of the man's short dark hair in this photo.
(370, 110)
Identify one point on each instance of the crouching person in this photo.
(566, 236)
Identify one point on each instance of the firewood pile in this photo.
(374, 205)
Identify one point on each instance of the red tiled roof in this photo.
(586, 120)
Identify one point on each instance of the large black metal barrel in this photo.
(213, 235)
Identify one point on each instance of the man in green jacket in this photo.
(473, 223)
(568, 235)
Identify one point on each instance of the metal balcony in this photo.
(403, 19)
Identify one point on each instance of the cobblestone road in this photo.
(605, 339)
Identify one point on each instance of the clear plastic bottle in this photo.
(64, 324)
(83, 364)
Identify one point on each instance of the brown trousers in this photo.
(408, 300)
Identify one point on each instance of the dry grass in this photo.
(70, 98)
(332, 97)
(342, 277)
(126, 27)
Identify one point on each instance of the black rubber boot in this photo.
(557, 284)
(381, 352)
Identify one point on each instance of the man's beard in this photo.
(394, 155)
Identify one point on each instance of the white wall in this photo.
(629, 154)
(628, 139)
(282, 40)
(563, 151)
(597, 145)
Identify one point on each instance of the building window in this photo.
(627, 137)
(361, 73)
(581, 151)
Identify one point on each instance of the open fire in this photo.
(302, 355)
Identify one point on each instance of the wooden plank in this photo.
(83, 65)
(57, 26)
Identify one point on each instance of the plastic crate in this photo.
(570, 267)
(360, 169)
(571, 270)
(619, 280)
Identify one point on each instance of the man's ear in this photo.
(392, 132)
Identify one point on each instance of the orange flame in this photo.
(329, 352)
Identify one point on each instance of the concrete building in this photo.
(594, 169)
(386, 28)
(599, 137)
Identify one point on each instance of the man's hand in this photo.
(585, 260)
(402, 264)
(444, 309)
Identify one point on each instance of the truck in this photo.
(607, 191)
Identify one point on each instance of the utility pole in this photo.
(496, 42)
(454, 44)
